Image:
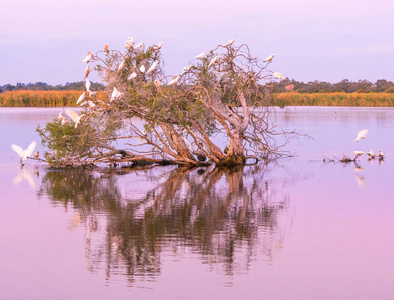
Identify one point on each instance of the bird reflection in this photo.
(360, 180)
(25, 174)
(226, 215)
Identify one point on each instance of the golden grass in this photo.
(25, 98)
(335, 99)
(69, 98)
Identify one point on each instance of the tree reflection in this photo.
(226, 217)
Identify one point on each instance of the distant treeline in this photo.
(42, 86)
(286, 85)
(344, 86)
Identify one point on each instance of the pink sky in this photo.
(312, 40)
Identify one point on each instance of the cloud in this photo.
(366, 50)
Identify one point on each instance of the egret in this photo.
(122, 65)
(201, 55)
(358, 153)
(269, 58)
(88, 58)
(115, 94)
(132, 76)
(186, 69)
(91, 104)
(106, 48)
(174, 81)
(213, 60)
(229, 43)
(87, 71)
(278, 75)
(142, 68)
(24, 154)
(381, 154)
(139, 45)
(371, 154)
(361, 135)
(129, 43)
(74, 116)
(87, 84)
(36, 155)
(81, 98)
(152, 67)
(60, 117)
(64, 122)
(158, 46)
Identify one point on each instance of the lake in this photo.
(295, 228)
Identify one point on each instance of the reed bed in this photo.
(26, 98)
(334, 99)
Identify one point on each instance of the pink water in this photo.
(297, 228)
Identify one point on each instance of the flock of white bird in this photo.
(82, 101)
(361, 135)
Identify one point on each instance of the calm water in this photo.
(297, 228)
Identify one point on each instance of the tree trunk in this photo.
(235, 154)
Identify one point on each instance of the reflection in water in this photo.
(26, 174)
(227, 217)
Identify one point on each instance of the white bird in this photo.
(60, 117)
(92, 93)
(87, 84)
(371, 154)
(81, 98)
(87, 71)
(132, 76)
(158, 46)
(152, 67)
(91, 104)
(201, 55)
(186, 69)
(213, 60)
(381, 154)
(269, 58)
(64, 122)
(278, 75)
(139, 45)
(115, 94)
(358, 153)
(74, 116)
(24, 154)
(88, 58)
(142, 68)
(229, 43)
(361, 135)
(129, 43)
(174, 81)
(122, 66)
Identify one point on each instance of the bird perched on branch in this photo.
(152, 67)
(115, 94)
(129, 43)
(213, 60)
(361, 135)
(278, 75)
(229, 43)
(74, 116)
(87, 71)
(106, 48)
(174, 81)
(132, 76)
(24, 154)
(88, 58)
(81, 98)
(201, 55)
(269, 58)
(36, 155)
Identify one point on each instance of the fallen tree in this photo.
(152, 118)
